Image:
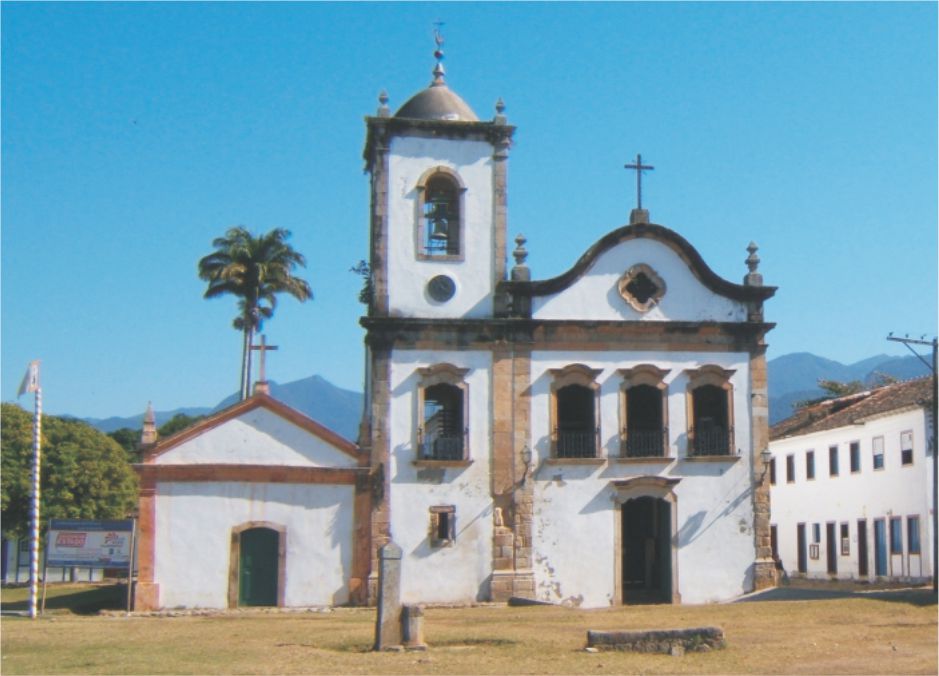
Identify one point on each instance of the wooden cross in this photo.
(639, 167)
(262, 348)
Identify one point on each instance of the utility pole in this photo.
(909, 342)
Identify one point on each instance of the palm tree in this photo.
(254, 270)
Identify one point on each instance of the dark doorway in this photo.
(258, 563)
(800, 545)
(645, 432)
(711, 421)
(880, 547)
(862, 547)
(831, 546)
(647, 551)
(577, 423)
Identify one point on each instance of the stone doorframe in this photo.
(625, 490)
(234, 561)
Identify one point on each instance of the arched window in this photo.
(442, 414)
(644, 410)
(440, 218)
(574, 411)
(710, 414)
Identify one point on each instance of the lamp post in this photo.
(935, 465)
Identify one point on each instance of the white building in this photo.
(591, 439)
(256, 505)
(852, 486)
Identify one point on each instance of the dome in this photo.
(437, 102)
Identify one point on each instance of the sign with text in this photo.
(91, 544)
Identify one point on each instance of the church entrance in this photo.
(647, 551)
(258, 567)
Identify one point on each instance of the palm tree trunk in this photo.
(246, 362)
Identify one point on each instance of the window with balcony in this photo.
(644, 413)
(442, 414)
(575, 412)
(710, 404)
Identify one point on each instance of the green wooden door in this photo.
(257, 584)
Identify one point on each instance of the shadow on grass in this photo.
(921, 597)
(80, 601)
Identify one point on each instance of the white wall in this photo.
(595, 295)
(896, 490)
(573, 549)
(194, 522)
(409, 159)
(257, 437)
(457, 573)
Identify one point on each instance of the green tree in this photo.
(129, 440)
(85, 473)
(254, 270)
(178, 422)
(833, 389)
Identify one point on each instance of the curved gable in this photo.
(670, 279)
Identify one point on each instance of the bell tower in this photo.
(438, 205)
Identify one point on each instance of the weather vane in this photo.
(438, 40)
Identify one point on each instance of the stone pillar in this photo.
(380, 499)
(412, 624)
(146, 591)
(764, 572)
(388, 617)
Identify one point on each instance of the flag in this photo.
(30, 380)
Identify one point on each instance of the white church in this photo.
(593, 439)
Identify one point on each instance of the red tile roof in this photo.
(855, 408)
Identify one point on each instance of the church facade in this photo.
(591, 439)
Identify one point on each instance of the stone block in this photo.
(668, 641)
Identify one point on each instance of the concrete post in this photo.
(388, 620)
(412, 621)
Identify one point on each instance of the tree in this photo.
(833, 389)
(129, 440)
(254, 270)
(85, 473)
(178, 422)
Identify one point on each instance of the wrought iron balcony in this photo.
(576, 444)
(442, 448)
(711, 441)
(645, 443)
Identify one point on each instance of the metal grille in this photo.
(646, 443)
(442, 448)
(711, 441)
(576, 444)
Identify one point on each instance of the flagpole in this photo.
(34, 543)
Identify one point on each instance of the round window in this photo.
(441, 288)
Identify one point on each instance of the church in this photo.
(593, 439)
(598, 438)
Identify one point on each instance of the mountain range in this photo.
(792, 378)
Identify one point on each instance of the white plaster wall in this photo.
(194, 522)
(408, 160)
(573, 542)
(895, 490)
(457, 573)
(257, 437)
(595, 295)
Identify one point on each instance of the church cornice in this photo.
(382, 129)
(660, 233)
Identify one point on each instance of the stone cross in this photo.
(262, 348)
(388, 620)
(639, 167)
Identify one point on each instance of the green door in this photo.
(257, 584)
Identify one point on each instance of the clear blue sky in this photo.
(133, 134)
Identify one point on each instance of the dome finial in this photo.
(438, 55)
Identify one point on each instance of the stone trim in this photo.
(627, 279)
(441, 463)
(712, 458)
(575, 461)
(234, 561)
(146, 591)
(250, 473)
(764, 568)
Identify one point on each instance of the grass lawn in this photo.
(838, 636)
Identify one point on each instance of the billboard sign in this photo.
(90, 544)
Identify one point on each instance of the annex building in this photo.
(591, 439)
(852, 486)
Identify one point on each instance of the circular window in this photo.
(441, 288)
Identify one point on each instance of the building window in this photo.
(855, 457)
(845, 540)
(772, 472)
(816, 533)
(440, 208)
(810, 465)
(896, 535)
(790, 469)
(575, 418)
(878, 447)
(906, 447)
(710, 403)
(644, 412)
(832, 461)
(912, 534)
(442, 525)
(442, 412)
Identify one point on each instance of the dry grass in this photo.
(842, 636)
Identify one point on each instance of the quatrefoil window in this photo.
(641, 287)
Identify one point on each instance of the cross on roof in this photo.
(262, 348)
(639, 167)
